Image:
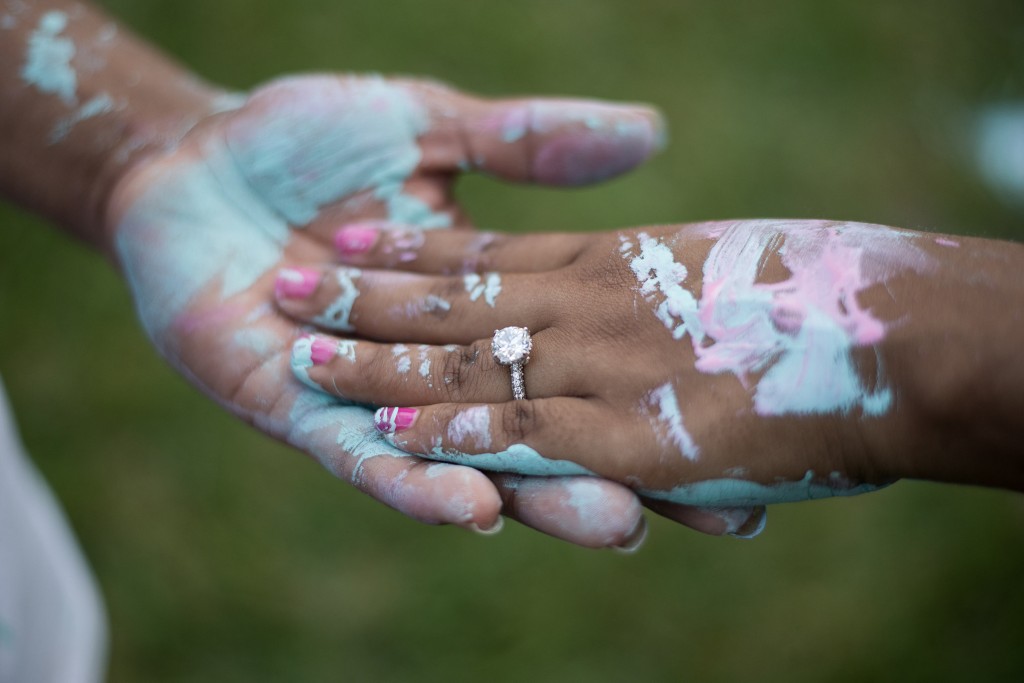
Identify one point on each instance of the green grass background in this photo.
(225, 557)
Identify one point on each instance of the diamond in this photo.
(511, 345)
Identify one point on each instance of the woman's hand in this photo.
(722, 364)
(202, 231)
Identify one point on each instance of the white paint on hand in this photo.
(661, 280)
(101, 104)
(302, 361)
(338, 315)
(488, 286)
(471, 428)
(347, 350)
(670, 421)
(796, 335)
(48, 59)
(403, 362)
(425, 365)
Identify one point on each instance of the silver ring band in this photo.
(518, 386)
(511, 346)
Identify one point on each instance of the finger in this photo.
(542, 437)
(389, 305)
(587, 511)
(400, 374)
(324, 230)
(593, 514)
(343, 439)
(387, 245)
(540, 140)
(739, 522)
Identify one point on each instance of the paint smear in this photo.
(402, 361)
(661, 283)
(425, 364)
(669, 421)
(321, 144)
(797, 334)
(261, 342)
(48, 59)
(101, 104)
(347, 350)
(471, 428)
(338, 315)
(740, 492)
(517, 458)
(302, 361)
(488, 287)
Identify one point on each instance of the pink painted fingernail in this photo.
(392, 420)
(296, 283)
(356, 239)
(322, 351)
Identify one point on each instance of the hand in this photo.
(724, 364)
(202, 230)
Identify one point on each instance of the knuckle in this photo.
(459, 371)
(519, 420)
(437, 304)
(604, 273)
(447, 288)
(379, 370)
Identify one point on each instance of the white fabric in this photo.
(52, 622)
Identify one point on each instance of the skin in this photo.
(200, 197)
(924, 331)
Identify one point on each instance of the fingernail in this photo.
(322, 351)
(356, 239)
(753, 526)
(391, 420)
(635, 539)
(732, 518)
(296, 283)
(498, 525)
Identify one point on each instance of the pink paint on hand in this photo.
(946, 242)
(219, 316)
(356, 239)
(322, 351)
(392, 420)
(296, 283)
(590, 156)
(586, 142)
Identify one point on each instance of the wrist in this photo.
(954, 361)
(84, 100)
(153, 129)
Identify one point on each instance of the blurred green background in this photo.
(225, 557)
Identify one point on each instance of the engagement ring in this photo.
(511, 346)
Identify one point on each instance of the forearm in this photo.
(83, 100)
(955, 352)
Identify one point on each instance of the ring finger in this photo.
(400, 374)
